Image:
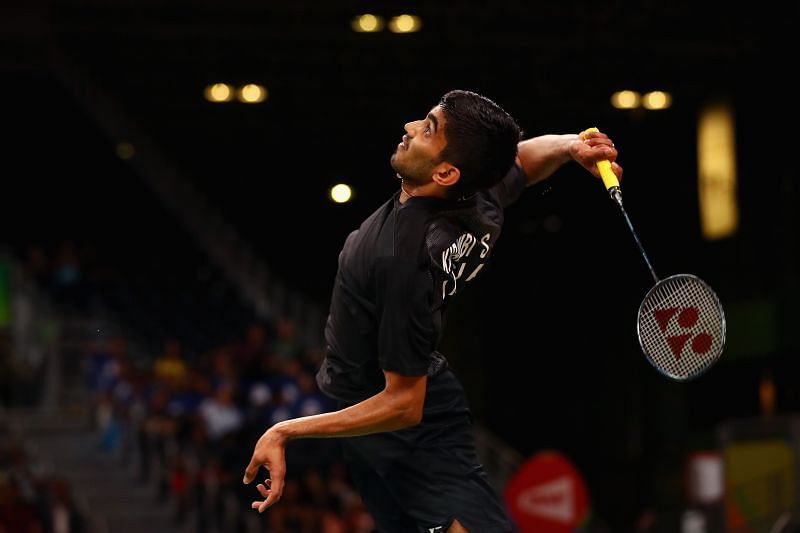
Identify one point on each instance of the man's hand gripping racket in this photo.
(681, 323)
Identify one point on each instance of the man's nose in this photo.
(411, 127)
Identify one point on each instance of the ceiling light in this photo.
(252, 93)
(404, 24)
(367, 23)
(657, 100)
(626, 99)
(219, 92)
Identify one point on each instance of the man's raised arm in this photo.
(541, 156)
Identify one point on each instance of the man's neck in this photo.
(409, 190)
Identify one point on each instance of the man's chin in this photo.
(393, 163)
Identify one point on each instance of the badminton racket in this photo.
(681, 322)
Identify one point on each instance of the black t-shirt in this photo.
(396, 275)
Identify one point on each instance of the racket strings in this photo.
(681, 326)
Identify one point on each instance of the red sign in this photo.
(547, 495)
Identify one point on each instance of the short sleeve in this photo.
(510, 187)
(406, 333)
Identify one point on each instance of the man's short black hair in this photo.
(481, 138)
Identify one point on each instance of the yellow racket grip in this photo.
(609, 178)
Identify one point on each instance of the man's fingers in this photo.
(268, 502)
(275, 489)
(270, 494)
(617, 170)
(263, 505)
(273, 494)
(251, 471)
(603, 143)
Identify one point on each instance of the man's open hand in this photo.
(270, 453)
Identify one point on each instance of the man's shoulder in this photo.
(453, 234)
(379, 215)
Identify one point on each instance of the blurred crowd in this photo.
(186, 420)
(190, 426)
(32, 500)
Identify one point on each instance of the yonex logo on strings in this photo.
(687, 318)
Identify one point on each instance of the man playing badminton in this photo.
(403, 415)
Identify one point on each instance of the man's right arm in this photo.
(541, 156)
(538, 158)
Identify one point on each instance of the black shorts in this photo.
(422, 478)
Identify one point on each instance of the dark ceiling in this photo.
(339, 99)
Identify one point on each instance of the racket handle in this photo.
(604, 166)
(609, 178)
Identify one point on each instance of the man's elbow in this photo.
(408, 410)
(412, 415)
(406, 398)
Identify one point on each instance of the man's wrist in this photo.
(282, 431)
(570, 140)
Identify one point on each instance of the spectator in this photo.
(61, 514)
(287, 345)
(310, 400)
(294, 515)
(67, 278)
(170, 366)
(179, 489)
(220, 414)
(223, 369)
(107, 364)
(158, 429)
(17, 515)
(249, 354)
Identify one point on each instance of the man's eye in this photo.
(427, 130)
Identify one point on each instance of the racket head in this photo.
(681, 327)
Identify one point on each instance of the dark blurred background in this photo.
(168, 259)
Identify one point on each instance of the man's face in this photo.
(416, 157)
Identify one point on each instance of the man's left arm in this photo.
(399, 405)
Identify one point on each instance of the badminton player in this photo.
(403, 415)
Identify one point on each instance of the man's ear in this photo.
(446, 175)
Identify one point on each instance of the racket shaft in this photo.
(639, 244)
